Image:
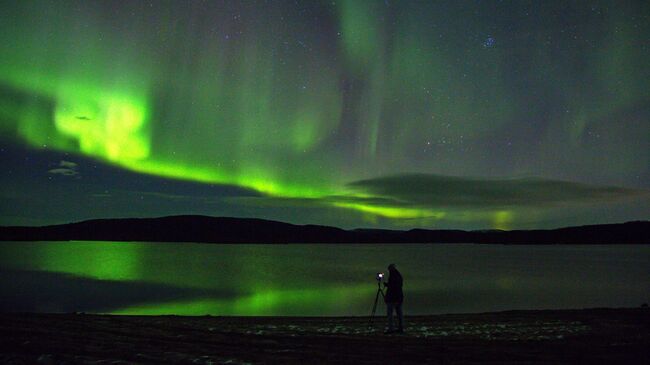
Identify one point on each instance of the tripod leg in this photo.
(374, 307)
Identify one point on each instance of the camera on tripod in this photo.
(380, 276)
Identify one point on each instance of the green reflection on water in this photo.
(267, 302)
(97, 260)
(236, 279)
(199, 279)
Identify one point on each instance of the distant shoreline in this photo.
(204, 229)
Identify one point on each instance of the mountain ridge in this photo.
(206, 229)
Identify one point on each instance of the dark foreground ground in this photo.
(612, 336)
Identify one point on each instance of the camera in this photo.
(380, 276)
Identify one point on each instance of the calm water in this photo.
(196, 279)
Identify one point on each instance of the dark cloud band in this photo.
(425, 190)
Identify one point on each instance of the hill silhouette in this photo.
(192, 228)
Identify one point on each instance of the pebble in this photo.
(45, 359)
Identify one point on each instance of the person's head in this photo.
(392, 267)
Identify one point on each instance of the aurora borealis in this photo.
(461, 114)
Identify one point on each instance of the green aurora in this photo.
(301, 102)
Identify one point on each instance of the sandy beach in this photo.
(514, 337)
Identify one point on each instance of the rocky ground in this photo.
(517, 337)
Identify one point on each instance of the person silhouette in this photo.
(394, 298)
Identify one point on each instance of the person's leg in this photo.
(400, 317)
(389, 308)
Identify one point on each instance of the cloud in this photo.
(68, 164)
(65, 168)
(63, 171)
(458, 199)
(436, 191)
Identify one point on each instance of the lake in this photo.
(315, 279)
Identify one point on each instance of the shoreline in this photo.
(620, 335)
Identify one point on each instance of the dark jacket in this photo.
(394, 292)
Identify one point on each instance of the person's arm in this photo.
(390, 283)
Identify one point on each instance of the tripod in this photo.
(374, 307)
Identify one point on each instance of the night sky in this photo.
(396, 114)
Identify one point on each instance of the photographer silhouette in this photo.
(394, 298)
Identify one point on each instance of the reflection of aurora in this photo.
(257, 278)
(297, 280)
(263, 289)
(332, 300)
(297, 111)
